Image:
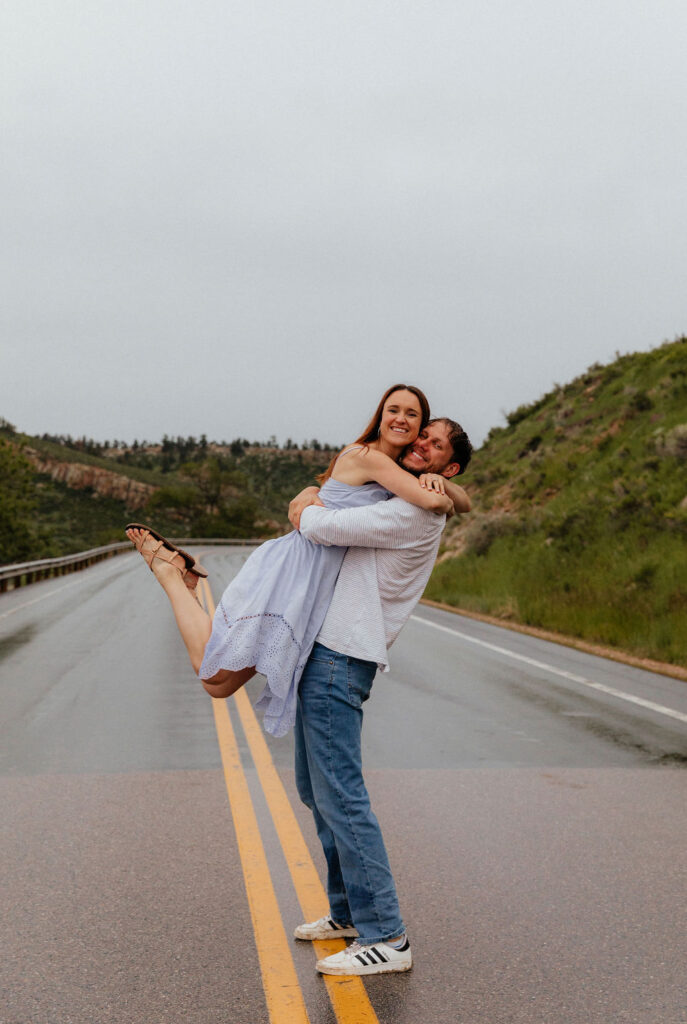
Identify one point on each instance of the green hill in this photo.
(580, 511)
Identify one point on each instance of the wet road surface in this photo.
(532, 803)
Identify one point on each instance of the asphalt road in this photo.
(532, 798)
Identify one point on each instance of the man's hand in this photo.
(308, 496)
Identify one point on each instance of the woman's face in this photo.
(401, 419)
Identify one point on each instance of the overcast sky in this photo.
(249, 217)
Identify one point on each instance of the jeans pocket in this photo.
(321, 655)
(360, 677)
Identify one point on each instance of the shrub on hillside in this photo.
(675, 442)
(482, 533)
(19, 538)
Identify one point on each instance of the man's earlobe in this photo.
(452, 469)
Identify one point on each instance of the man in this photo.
(392, 548)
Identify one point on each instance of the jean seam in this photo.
(332, 671)
(341, 685)
(345, 807)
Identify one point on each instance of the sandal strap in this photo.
(161, 551)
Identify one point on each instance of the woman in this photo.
(271, 612)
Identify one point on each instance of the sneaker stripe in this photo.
(361, 959)
(378, 953)
(335, 926)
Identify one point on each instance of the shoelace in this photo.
(354, 948)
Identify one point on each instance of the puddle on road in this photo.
(652, 746)
(9, 644)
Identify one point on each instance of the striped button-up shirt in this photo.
(392, 548)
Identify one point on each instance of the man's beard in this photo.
(412, 469)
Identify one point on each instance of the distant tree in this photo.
(212, 499)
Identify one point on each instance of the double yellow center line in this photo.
(283, 994)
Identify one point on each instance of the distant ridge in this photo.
(61, 495)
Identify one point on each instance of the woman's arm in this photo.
(389, 474)
(459, 497)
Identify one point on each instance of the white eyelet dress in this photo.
(271, 612)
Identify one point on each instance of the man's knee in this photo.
(342, 805)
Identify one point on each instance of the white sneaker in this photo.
(325, 928)
(379, 958)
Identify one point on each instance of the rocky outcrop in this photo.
(81, 477)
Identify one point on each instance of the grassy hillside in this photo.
(580, 520)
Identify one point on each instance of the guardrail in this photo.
(23, 573)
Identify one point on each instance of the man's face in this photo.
(431, 453)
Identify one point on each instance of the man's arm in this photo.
(386, 524)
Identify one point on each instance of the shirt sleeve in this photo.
(386, 524)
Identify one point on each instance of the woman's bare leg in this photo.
(226, 682)
(194, 623)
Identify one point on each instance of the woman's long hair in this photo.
(371, 431)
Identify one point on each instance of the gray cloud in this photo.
(251, 218)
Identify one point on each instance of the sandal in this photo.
(150, 554)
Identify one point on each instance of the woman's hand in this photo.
(433, 482)
(308, 496)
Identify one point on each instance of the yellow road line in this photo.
(347, 995)
(283, 994)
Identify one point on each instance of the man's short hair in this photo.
(459, 441)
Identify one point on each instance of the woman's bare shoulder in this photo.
(351, 450)
(354, 463)
(364, 454)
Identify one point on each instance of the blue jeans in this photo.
(330, 782)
